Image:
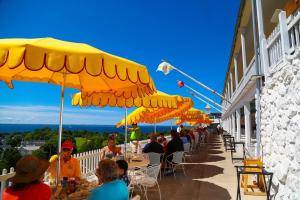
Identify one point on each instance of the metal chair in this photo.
(155, 159)
(177, 160)
(147, 178)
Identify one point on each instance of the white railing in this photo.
(88, 161)
(274, 47)
(284, 39)
(4, 177)
(293, 30)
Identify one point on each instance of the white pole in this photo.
(126, 133)
(205, 97)
(155, 125)
(199, 83)
(60, 131)
(207, 103)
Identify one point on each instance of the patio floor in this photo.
(210, 175)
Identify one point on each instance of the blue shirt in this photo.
(184, 140)
(115, 190)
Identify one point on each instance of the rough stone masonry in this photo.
(280, 128)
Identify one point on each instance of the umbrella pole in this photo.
(126, 133)
(155, 125)
(60, 134)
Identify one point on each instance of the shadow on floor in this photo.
(210, 191)
(204, 171)
(212, 158)
(210, 151)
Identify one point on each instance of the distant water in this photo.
(11, 128)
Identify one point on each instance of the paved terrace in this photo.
(211, 176)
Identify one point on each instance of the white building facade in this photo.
(263, 86)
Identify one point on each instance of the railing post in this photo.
(3, 183)
(264, 67)
(284, 35)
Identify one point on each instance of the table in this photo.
(82, 191)
(138, 162)
(261, 171)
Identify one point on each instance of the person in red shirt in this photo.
(27, 184)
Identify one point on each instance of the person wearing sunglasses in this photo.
(69, 166)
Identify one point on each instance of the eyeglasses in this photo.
(66, 150)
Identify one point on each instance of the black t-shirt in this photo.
(174, 145)
(153, 147)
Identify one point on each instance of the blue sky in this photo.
(194, 35)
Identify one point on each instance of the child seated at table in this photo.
(122, 171)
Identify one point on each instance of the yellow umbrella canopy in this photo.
(204, 120)
(193, 116)
(156, 100)
(155, 115)
(74, 65)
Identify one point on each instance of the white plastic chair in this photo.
(147, 178)
(187, 148)
(177, 161)
(154, 159)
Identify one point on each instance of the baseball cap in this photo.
(67, 145)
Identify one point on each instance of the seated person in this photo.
(111, 150)
(174, 145)
(110, 186)
(153, 146)
(162, 140)
(28, 180)
(183, 138)
(69, 166)
(122, 171)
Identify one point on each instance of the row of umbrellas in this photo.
(102, 79)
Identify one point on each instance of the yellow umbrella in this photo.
(74, 65)
(156, 115)
(156, 100)
(193, 116)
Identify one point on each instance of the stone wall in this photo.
(280, 128)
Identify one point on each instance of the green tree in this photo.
(10, 158)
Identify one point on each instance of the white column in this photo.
(233, 124)
(247, 123)
(236, 71)
(231, 84)
(230, 124)
(228, 89)
(243, 44)
(262, 39)
(284, 33)
(238, 124)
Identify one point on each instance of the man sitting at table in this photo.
(69, 166)
(111, 188)
(174, 145)
(153, 146)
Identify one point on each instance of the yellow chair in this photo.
(259, 184)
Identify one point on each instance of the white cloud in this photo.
(40, 114)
